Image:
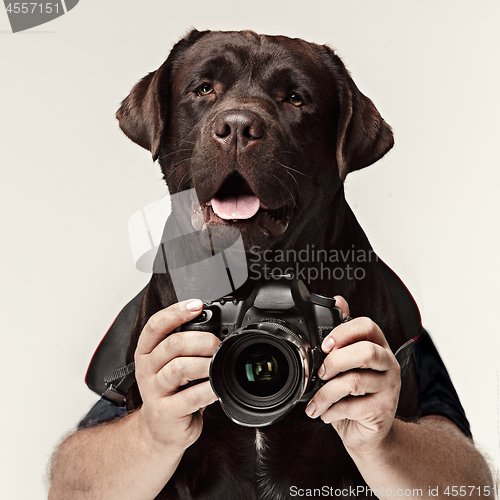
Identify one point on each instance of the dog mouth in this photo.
(236, 204)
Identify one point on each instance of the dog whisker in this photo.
(181, 182)
(180, 162)
(291, 175)
(193, 174)
(174, 152)
(179, 140)
(286, 187)
(293, 169)
(175, 166)
(320, 226)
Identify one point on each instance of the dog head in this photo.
(265, 128)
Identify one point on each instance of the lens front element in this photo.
(262, 370)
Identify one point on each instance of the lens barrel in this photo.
(260, 372)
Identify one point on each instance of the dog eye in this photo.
(205, 89)
(296, 99)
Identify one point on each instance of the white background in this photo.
(70, 180)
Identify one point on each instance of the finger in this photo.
(179, 372)
(370, 409)
(163, 322)
(192, 399)
(191, 343)
(364, 354)
(354, 331)
(352, 383)
(342, 304)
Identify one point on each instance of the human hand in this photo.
(362, 392)
(163, 363)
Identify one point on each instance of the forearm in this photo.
(422, 460)
(118, 460)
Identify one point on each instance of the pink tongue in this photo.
(243, 206)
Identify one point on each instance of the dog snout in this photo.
(238, 130)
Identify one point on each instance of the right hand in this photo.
(163, 363)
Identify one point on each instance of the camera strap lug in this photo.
(118, 383)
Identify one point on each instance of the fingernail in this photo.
(328, 344)
(321, 371)
(191, 305)
(311, 408)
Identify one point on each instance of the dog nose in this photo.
(238, 130)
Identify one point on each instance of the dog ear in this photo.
(363, 137)
(139, 115)
(143, 113)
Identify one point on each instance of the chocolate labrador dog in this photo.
(266, 129)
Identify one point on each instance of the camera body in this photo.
(271, 347)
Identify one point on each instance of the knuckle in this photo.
(174, 370)
(356, 384)
(174, 343)
(155, 322)
(214, 342)
(367, 325)
(370, 355)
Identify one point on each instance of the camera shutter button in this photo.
(204, 316)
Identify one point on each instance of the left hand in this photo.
(361, 395)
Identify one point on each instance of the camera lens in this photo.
(261, 370)
(258, 374)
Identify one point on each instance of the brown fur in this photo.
(290, 156)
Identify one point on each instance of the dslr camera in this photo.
(270, 352)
